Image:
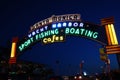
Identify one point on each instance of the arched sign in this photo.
(57, 28)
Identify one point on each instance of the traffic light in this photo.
(103, 55)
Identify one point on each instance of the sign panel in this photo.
(103, 55)
(114, 49)
(58, 28)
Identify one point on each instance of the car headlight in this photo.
(75, 77)
(80, 77)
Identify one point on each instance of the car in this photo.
(78, 77)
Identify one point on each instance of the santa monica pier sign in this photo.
(57, 28)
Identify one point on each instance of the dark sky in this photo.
(17, 16)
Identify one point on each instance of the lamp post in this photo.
(81, 66)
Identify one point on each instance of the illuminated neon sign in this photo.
(53, 39)
(58, 30)
(82, 32)
(55, 26)
(59, 18)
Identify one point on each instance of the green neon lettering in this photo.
(72, 31)
(31, 39)
(25, 44)
(86, 32)
(47, 33)
(82, 31)
(95, 35)
(21, 47)
(77, 31)
(52, 32)
(67, 31)
(90, 33)
(37, 37)
(56, 31)
(42, 35)
(28, 42)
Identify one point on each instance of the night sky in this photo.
(17, 16)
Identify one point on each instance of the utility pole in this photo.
(81, 66)
(108, 65)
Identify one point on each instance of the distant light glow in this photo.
(42, 29)
(33, 33)
(75, 77)
(37, 31)
(59, 25)
(69, 24)
(80, 77)
(81, 24)
(75, 24)
(53, 25)
(29, 35)
(84, 73)
(64, 24)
